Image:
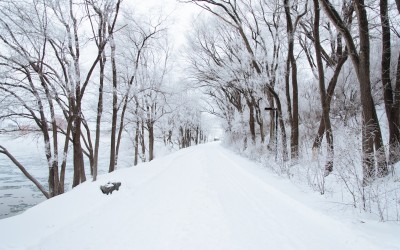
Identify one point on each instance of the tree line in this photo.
(281, 54)
(74, 70)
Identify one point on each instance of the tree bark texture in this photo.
(114, 108)
(388, 95)
(324, 99)
(330, 92)
(136, 145)
(79, 166)
(292, 66)
(150, 126)
(371, 134)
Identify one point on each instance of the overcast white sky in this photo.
(180, 14)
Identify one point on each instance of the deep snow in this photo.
(203, 197)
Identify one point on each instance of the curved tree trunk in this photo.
(3, 150)
(330, 92)
(291, 65)
(322, 91)
(371, 133)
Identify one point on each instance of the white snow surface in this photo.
(203, 197)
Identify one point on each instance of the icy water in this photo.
(18, 193)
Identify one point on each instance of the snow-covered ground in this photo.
(17, 193)
(203, 197)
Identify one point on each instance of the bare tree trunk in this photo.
(121, 127)
(150, 126)
(52, 159)
(79, 167)
(54, 168)
(197, 135)
(272, 125)
(281, 122)
(330, 92)
(285, 154)
(324, 98)
(294, 136)
(135, 162)
(394, 147)
(188, 138)
(259, 119)
(104, 21)
(371, 133)
(98, 118)
(391, 109)
(294, 120)
(111, 27)
(143, 143)
(287, 90)
(371, 123)
(182, 138)
(396, 117)
(398, 5)
(252, 122)
(65, 155)
(114, 107)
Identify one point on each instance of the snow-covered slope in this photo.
(203, 197)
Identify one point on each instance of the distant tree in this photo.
(234, 15)
(102, 17)
(137, 40)
(154, 96)
(146, 72)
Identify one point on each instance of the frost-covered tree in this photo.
(42, 47)
(242, 63)
(372, 144)
(238, 60)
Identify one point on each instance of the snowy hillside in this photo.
(203, 197)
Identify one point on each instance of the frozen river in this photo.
(17, 193)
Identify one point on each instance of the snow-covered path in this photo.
(198, 198)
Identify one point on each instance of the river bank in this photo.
(17, 193)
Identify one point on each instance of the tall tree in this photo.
(291, 67)
(102, 17)
(141, 39)
(371, 133)
(388, 95)
(322, 90)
